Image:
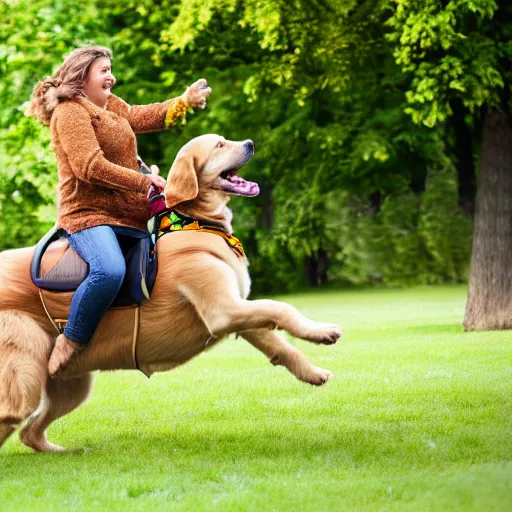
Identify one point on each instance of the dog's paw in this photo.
(324, 334)
(41, 444)
(316, 376)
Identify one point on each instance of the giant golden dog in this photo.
(200, 297)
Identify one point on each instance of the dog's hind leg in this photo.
(24, 351)
(282, 353)
(61, 397)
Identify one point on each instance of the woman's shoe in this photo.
(63, 352)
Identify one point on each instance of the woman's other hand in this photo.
(157, 181)
(196, 94)
(155, 195)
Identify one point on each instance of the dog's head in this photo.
(206, 168)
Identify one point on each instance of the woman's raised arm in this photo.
(158, 116)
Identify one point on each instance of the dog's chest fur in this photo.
(244, 281)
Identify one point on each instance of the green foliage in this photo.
(444, 229)
(333, 101)
(413, 239)
(27, 184)
(345, 101)
(459, 48)
(34, 37)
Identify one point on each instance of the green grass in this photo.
(418, 417)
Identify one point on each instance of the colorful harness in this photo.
(170, 221)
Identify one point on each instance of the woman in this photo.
(102, 198)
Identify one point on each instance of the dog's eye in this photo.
(220, 143)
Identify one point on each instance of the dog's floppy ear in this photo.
(182, 181)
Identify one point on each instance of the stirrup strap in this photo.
(136, 326)
(58, 323)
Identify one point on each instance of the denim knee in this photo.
(108, 279)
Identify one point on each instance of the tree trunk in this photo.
(316, 268)
(375, 202)
(489, 303)
(267, 212)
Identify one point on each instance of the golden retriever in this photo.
(199, 298)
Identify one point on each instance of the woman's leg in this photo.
(98, 246)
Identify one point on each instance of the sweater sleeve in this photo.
(150, 118)
(86, 159)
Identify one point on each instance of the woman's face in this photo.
(99, 81)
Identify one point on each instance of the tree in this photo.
(333, 100)
(459, 53)
(352, 188)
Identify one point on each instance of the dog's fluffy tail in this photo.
(24, 352)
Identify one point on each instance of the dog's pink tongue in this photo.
(243, 187)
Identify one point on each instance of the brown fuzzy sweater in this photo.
(96, 149)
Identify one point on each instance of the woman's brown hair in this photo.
(67, 82)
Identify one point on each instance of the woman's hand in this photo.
(196, 94)
(155, 195)
(157, 181)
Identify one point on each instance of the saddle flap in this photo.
(55, 265)
(61, 263)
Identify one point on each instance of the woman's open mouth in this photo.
(231, 183)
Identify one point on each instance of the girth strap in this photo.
(136, 327)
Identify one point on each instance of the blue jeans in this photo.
(102, 248)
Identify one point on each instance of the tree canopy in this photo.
(365, 116)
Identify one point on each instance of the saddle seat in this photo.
(57, 267)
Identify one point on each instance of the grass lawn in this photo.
(417, 417)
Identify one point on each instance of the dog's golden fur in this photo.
(199, 298)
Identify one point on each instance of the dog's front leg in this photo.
(215, 294)
(274, 345)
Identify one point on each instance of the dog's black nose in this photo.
(249, 144)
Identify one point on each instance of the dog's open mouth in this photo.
(230, 182)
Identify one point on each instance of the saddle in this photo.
(57, 267)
